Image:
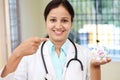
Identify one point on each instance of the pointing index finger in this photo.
(43, 39)
(39, 40)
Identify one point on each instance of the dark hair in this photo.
(55, 3)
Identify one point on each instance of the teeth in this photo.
(58, 32)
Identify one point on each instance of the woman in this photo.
(26, 61)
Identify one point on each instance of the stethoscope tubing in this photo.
(73, 59)
(43, 58)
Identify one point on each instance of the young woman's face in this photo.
(58, 24)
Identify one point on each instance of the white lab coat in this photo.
(31, 67)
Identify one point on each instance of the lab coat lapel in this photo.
(70, 55)
(48, 61)
(73, 72)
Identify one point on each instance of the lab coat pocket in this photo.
(73, 72)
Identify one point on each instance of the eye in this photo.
(53, 20)
(64, 20)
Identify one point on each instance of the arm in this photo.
(28, 47)
(12, 64)
(95, 68)
(95, 72)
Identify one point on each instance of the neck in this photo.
(58, 45)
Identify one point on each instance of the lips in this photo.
(58, 32)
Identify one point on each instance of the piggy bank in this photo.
(100, 52)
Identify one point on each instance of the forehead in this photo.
(59, 11)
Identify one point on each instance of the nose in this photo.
(58, 24)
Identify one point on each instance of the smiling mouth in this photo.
(58, 32)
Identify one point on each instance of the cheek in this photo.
(68, 27)
(49, 29)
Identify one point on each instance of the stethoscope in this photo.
(73, 59)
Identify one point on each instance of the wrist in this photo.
(95, 64)
(17, 54)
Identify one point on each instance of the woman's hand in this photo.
(95, 69)
(29, 46)
(95, 62)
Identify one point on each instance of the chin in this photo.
(60, 39)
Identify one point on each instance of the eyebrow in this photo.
(62, 17)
